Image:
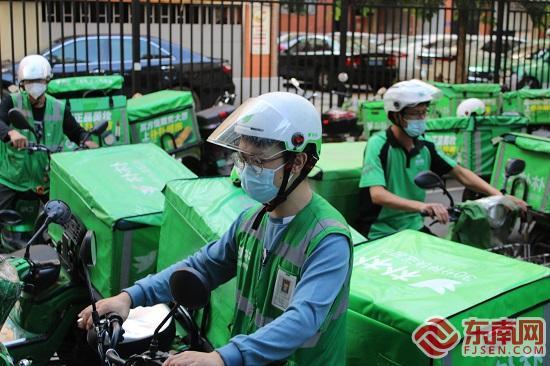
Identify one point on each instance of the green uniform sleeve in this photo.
(372, 173)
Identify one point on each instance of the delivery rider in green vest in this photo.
(291, 255)
(21, 172)
(390, 201)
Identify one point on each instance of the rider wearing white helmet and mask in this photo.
(291, 255)
(19, 170)
(390, 201)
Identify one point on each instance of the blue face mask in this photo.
(415, 127)
(259, 187)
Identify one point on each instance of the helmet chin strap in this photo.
(283, 193)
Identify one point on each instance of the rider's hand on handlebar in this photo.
(18, 140)
(119, 304)
(521, 203)
(195, 359)
(90, 144)
(437, 211)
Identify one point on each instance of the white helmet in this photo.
(34, 67)
(409, 94)
(279, 116)
(469, 107)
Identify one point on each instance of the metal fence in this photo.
(254, 46)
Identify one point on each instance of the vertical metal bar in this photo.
(135, 46)
(450, 55)
(242, 55)
(251, 48)
(88, 18)
(62, 25)
(38, 49)
(192, 74)
(343, 42)
(500, 25)
(159, 12)
(271, 45)
(75, 5)
(171, 19)
(121, 19)
(97, 32)
(279, 48)
(202, 20)
(24, 26)
(261, 44)
(325, 11)
(222, 30)
(181, 21)
(110, 20)
(149, 15)
(212, 17)
(289, 18)
(12, 41)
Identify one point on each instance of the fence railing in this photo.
(255, 46)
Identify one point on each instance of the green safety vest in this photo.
(264, 290)
(20, 170)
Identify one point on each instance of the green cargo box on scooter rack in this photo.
(373, 117)
(167, 119)
(94, 99)
(336, 176)
(531, 103)
(197, 212)
(470, 140)
(402, 280)
(454, 94)
(535, 151)
(117, 193)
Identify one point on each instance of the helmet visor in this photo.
(252, 128)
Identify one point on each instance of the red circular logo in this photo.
(436, 337)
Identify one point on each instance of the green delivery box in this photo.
(373, 117)
(400, 281)
(454, 94)
(336, 176)
(470, 140)
(531, 103)
(165, 118)
(535, 151)
(89, 109)
(197, 212)
(117, 192)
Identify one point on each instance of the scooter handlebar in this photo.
(113, 357)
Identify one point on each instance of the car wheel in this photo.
(196, 99)
(323, 82)
(529, 82)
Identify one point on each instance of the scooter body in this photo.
(53, 293)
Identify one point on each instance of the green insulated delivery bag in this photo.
(93, 100)
(373, 117)
(402, 280)
(336, 176)
(474, 138)
(454, 94)
(535, 151)
(531, 103)
(197, 212)
(165, 118)
(117, 193)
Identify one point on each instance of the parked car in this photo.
(313, 58)
(163, 65)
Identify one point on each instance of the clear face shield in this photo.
(254, 129)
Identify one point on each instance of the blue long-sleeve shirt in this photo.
(324, 274)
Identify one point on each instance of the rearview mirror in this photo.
(189, 288)
(514, 167)
(88, 249)
(429, 180)
(18, 120)
(10, 217)
(58, 212)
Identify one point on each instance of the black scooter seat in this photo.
(46, 266)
